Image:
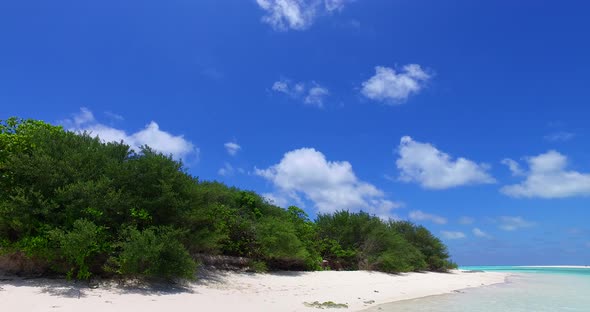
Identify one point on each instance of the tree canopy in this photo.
(81, 207)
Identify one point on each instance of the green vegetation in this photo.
(326, 305)
(153, 252)
(76, 206)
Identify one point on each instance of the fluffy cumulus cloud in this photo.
(508, 223)
(479, 233)
(418, 215)
(232, 148)
(452, 235)
(284, 15)
(433, 169)
(151, 135)
(393, 87)
(330, 185)
(310, 93)
(548, 177)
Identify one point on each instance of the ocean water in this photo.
(529, 289)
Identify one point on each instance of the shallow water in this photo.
(529, 289)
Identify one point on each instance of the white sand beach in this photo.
(228, 291)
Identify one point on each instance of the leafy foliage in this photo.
(82, 205)
(280, 245)
(78, 246)
(434, 251)
(360, 241)
(153, 252)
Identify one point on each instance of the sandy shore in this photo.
(225, 291)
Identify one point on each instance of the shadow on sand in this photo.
(79, 289)
(52, 287)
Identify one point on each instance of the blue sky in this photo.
(467, 117)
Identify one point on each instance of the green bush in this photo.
(154, 252)
(387, 251)
(279, 244)
(68, 200)
(36, 246)
(258, 267)
(435, 252)
(78, 246)
(399, 260)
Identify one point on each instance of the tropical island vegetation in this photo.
(72, 204)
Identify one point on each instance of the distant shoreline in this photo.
(483, 267)
(230, 291)
(555, 266)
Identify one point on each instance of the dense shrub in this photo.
(434, 251)
(361, 241)
(77, 247)
(280, 246)
(153, 252)
(79, 205)
(386, 250)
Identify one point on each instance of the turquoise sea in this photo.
(529, 289)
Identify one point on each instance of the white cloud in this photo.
(560, 136)
(226, 170)
(232, 148)
(289, 14)
(452, 235)
(283, 15)
(507, 223)
(513, 166)
(393, 88)
(151, 135)
(229, 170)
(335, 5)
(330, 185)
(418, 215)
(316, 96)
(83, 117)
(466, 220)
(113, 116)
(313, 95)
(276, 200)
(548, 178)
(479, 233)
(433, 169)
(281, 86)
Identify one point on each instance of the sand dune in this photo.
(228, 291)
